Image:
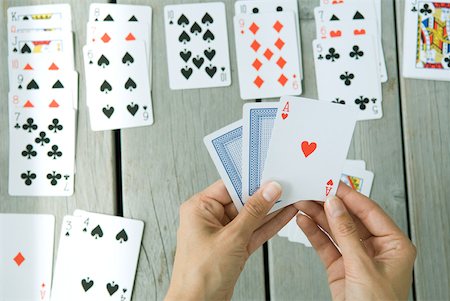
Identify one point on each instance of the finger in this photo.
(256, 209)
(218, 192)
(344, 230)
(315, 211)
(269, 229)
(319, 240)
(370, 213)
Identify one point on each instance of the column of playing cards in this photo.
(348, 55)
(117, 62)
(42, 101)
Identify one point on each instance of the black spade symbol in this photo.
(223, 68)
(145, 108)
(207, 19)
(108, 18)
(184, 37)
(112, 288)
(130, 84)
(87, 284)
(84, 229)
(25, 18)
(185, 55)
(195, 28)
(171, 22)
(334, 18)
(15, 49)
(133, 19)
(57, 85)
(132, 108)
(32, 85)
(279, 9)
(211, 71)
(358, 16)
(67, 234)
(20, 87)
(255, 10)
(208, 36)
(105, 87)
(25, 49)
(122, 236)
(182, 20)
(127, 59)
(103, 61)
(97, 232)
(108, 111)
(209, 53)
(198, 61)
(187, 72)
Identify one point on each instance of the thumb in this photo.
(256, 208)
(344, 229)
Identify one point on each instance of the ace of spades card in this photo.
(347, 74)
(197, 45)
(118, 89)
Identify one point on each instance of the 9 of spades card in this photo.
(197, 45)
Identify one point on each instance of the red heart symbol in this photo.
(359, 32)
(284, 116)
(308, 148)
(335, 34)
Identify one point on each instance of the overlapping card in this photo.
(117, 61)
(300, 143)
(42, 101)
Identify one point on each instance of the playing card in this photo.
(258, 120)
(267, 55)
(41, 152)
(118, 90)
(346, 73)
(426, 46)
(359, 179)
(308, 147)
(26, 256)
(348, 21)
(225, 148)
(106, 12)
(197, 45)
(35, 80)
(264, 7)
(29, 62)
(40, 99)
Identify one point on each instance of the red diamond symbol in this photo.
(282, 80)
(278, 26)
(281, 62)
(279, 43)
(19, 259)
(254, 28)
(255, 45)
(268, 54)
(258, 81)
(106, 38)
(257, 64)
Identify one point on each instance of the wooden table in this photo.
(146, 173)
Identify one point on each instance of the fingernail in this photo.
(335, 206)
(271, 191)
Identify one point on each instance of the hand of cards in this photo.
(300, 143)
(97, 257)
(42, 101)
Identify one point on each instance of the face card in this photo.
(267, 7)
(258, 119)
(118, 89)
(225, 148)
(41, 152)
(306, 155)
(267, 55)
(26, 256)
(346, 73)
(356, 20)
(104, 12)
(358, 179)
(426, 46)
(197, 45)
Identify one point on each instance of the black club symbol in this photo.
(447, 61)
(339, 101)
(347, 78)
(42, 139)
(55, 152)
(55, 126)
(30, 126)
(356, 53)
(54, 177)
(332, 55)
(29, 152)
(362, 102)
(28, 177)
(426, 10)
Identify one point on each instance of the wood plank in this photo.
(296, 272)
(166, 163)
(426, 131)
(95, 178)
